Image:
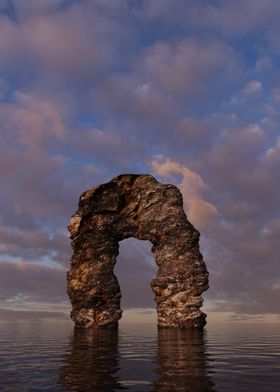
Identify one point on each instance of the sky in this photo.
(186, 90)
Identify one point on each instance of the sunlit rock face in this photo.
(136, 206)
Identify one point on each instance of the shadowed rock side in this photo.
(137, 206)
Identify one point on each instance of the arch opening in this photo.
(140, 207)
(135, 269)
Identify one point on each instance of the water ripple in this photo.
(44, 356)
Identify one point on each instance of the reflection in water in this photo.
(41, 356)
(92, 362)
(182, 362)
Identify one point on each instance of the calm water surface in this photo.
(49, 356)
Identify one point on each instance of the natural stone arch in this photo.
(137, 206)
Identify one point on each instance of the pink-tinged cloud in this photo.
(76, 43)
(252, 87)
(272, 156)
(30, 122)
(90, 89)
(108, 145)
(166, 72)
(199, 211)
(187, 65)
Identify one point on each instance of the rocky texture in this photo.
(137, 206)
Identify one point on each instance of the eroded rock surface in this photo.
(137, 206)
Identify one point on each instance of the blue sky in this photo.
(188, 91)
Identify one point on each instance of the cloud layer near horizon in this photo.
(186, 90)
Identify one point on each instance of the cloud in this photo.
(30, 127)
(112, 147)
(188, 89)
(35, 244)
(187, 64)
(197, 133)
(24, 282)
(76, 42)
(230, 18)
(240, 245)
(29, 122)
(170, 75)
(31, 7)
(28, 315)
(246, 317)
(199, 211)
(272, 156)
(252, 87)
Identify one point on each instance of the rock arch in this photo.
(132, 205)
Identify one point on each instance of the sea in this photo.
(54, 356)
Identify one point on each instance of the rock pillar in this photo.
(137, 206)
